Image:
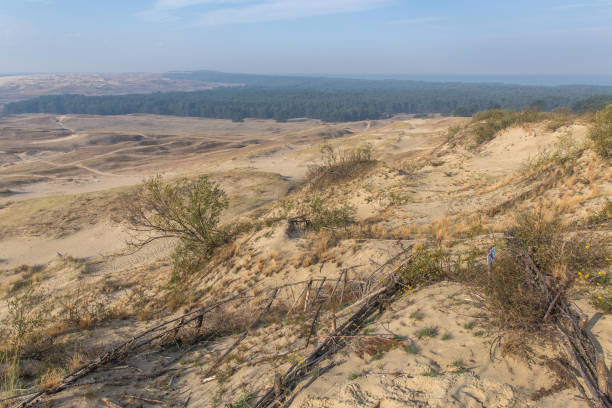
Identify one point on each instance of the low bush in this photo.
(518, 295)
(603, 214)
(340, 166)
(564, 154)
(560, 117)
(487, 124)
(425, 267)
(603, 303)
(322, 216)
(600, 132)
(185, 209)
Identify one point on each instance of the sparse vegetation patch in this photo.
(340, 165)
(601, 132)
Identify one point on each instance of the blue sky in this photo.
(308, 36)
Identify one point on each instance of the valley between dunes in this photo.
(65, 265)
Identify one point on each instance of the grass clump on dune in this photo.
(340, 166)
(601, 132)
(515, 300)
(488, 123)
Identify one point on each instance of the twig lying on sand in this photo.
(110, 403)
(149, 400)
(302, 369)
(570, 323)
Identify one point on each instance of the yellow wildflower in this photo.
(587, 246)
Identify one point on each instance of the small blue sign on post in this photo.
(491, 255)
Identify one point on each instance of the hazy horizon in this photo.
(520, 79)
(335, 37)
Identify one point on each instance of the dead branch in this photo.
(110, 403)
(300, 370)
(312, 326)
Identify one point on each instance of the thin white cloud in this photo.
(417, 20)
(164, 9)
(254, 11)
(284, 10)
(178, 4)
(591, 4)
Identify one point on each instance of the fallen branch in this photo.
(110, 403)
(300, 370)
(149, 400)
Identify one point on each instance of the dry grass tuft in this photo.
(515, 301)
(318, 249)
(51, 379)
(340, 166)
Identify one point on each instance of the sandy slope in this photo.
(458, 372)
(432, 182)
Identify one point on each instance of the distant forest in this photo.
(329, 99)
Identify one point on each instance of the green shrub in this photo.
(340, 166)
(488, 123)
(564, 154)
(560, 117)
(603, 303)
(425, 267)
(426, 332)
(411, 349)
(185, 209)
(322, 216)
(518, 299)
(245, 401)
(452, 131)
(600, 132)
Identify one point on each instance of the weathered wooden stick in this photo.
(362, 300)
(552, 305)
(208, 379)
(596, 397)
(316, 296)
(297, 371)
(149, 400)
(322, 371)
(307, 295)
(264, 358)
(297, 301)
(110, 403)
(277, 385)
(312, 326)
(602, 378)
(343, 287)
(229, 350)
(600, 364)
(331, 296)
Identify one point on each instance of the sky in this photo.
(432, 37)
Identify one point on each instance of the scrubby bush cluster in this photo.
(536, 246)
(603, 214)
(488, 123)
(188, 210)
(560, 159)
(601, 132)
(320, 215)
(339, 166)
